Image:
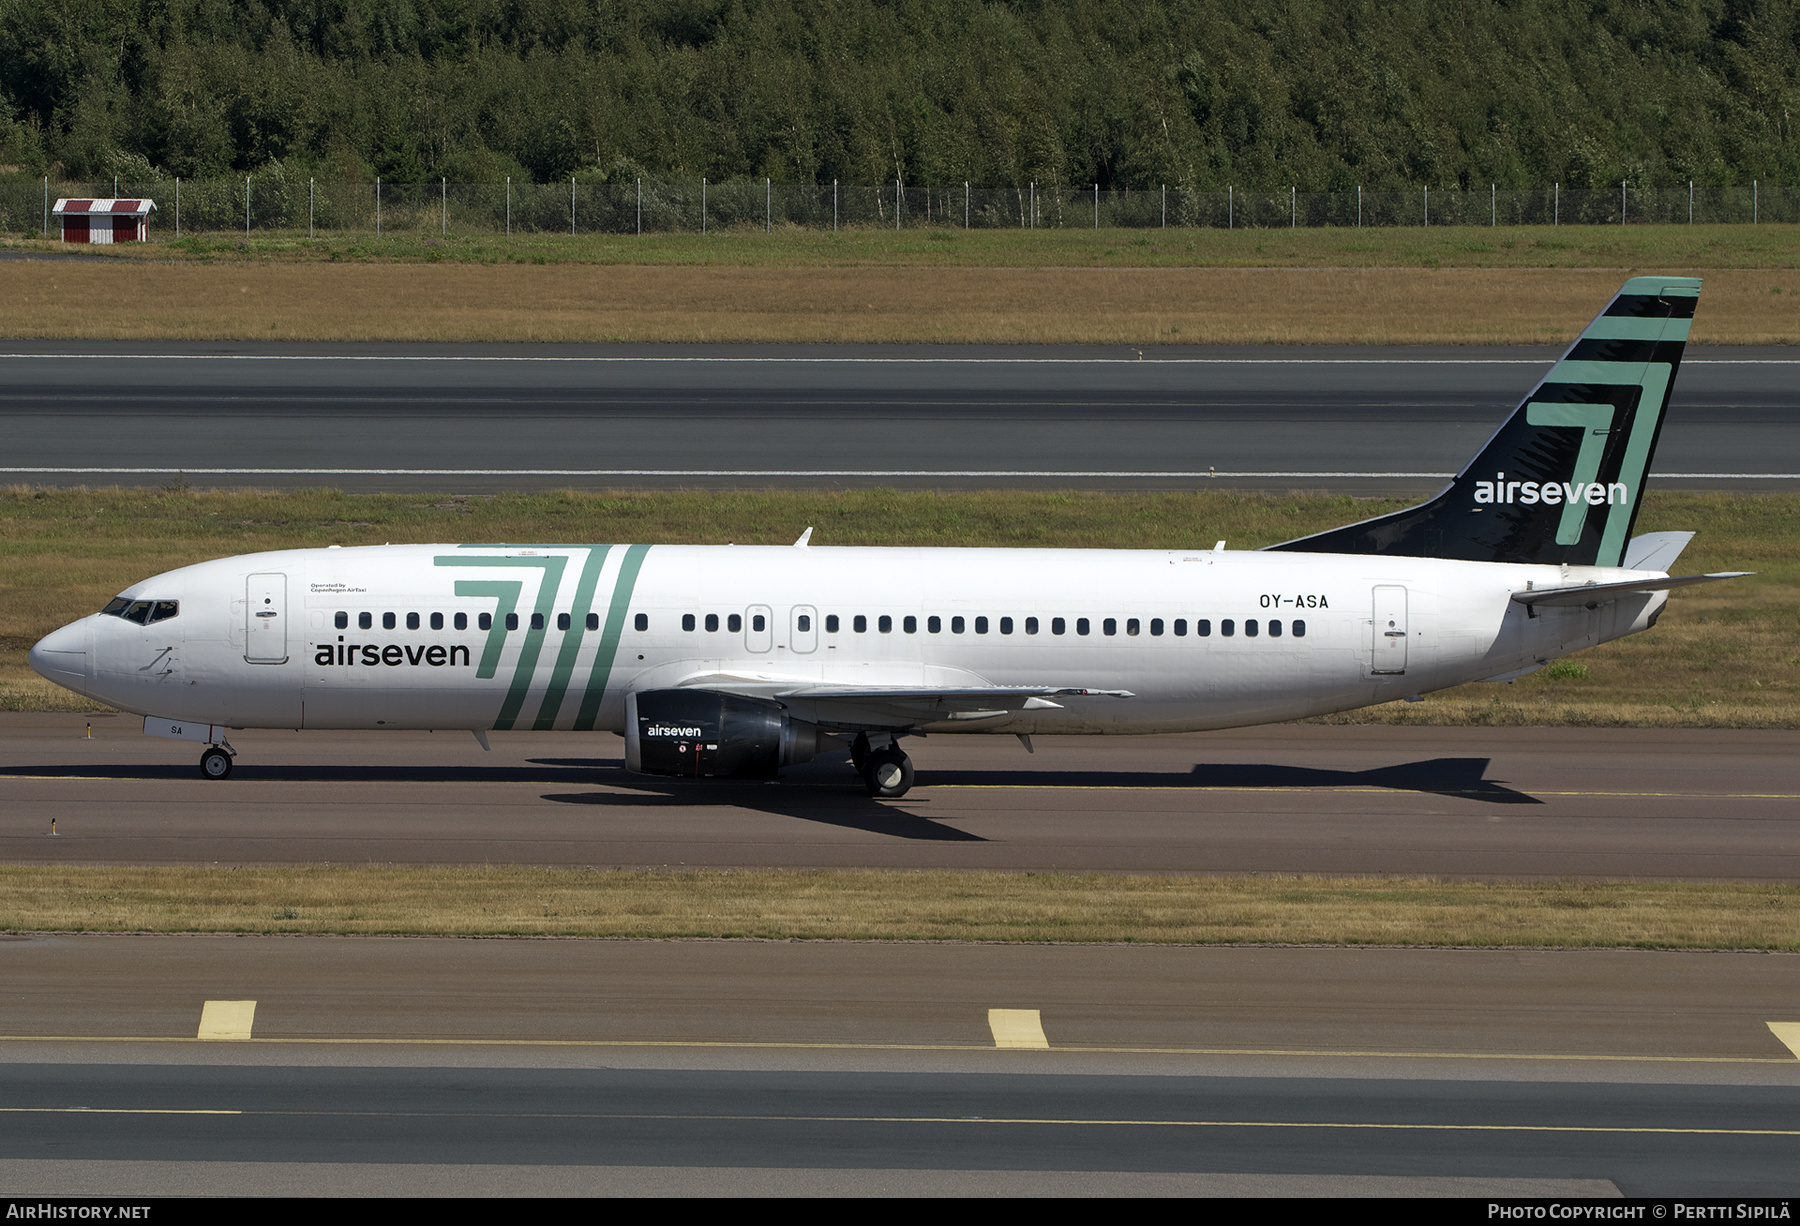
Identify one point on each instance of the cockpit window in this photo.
(143, 612)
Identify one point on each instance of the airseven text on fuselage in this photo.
(368, 655)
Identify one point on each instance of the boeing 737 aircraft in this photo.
(736, 661)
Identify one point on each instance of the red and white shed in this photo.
(104, 221)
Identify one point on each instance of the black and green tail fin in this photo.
(1562, 479)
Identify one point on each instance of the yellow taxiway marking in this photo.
(1789, 1034)
(1018, 1028)
(227, 1019)
(1064, 1050)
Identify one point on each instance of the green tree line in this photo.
(1198, 94)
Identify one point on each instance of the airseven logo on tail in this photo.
(1552, 493)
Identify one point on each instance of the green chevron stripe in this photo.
(534, 639)
(623, 587)
(506, 600)
(571, 643)
(1635, 328)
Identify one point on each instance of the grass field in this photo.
(1451, 286)
(1724, 655)
(851, 905)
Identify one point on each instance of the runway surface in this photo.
(486, 417)
(1486, 802)
(725, 1067)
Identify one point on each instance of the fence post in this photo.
(1230, 207)
(768, 207)
(46, 230)
(1294, 207)
(640, 211)
(1493, 204)
(377, 206)
(509, 206)
(1690, 202)
(444, 206)
(896, 204)
(310, 228)
(1096, 206)
(965, 201)
(1754, 201)
(1359, 206)
(178, 206)
(1165, 195)
(1427, 223)
(247, 207)
(834, 206)
(1556, 206)
(571, 206)
(703, 204)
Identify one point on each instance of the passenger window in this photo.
(712, 622)
(956, 625)
(1006, 625)
(910, 625)
(1274, 629)
(1058, 625)
(1180, 627)
(756, 623)
(562, 621)
(164, 610)
(412, 621)
(1156, 626)
(734, 623)
(341, 621)
(437, 621)
(642, 622)
(831, 623)
(1031, 625)
(935, 624)
(1250, 628)
(981, 625)
(885, 624)
(687, 621)
(1110, 626)
(387, 621)
(860, 624)
(1203, 628)
(1299, 630)
(593, 621)
(804, 623)
(1131, 626)
(512, 621)
(1227, 627)
(365, 621)
(537, 621)
(1081, 625)
(461, 621)
(485, 621)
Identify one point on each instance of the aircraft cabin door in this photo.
(803, 633)
(265, 619)
(1388, 654)
(759, 628)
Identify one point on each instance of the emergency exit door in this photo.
(265, 619)
(1388, 654)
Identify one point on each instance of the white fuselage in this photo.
(277, 640)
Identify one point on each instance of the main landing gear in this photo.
(886, 772)
(215, 763)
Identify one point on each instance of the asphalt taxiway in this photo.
(1486, 802)
(570, 1066)
(472, 418)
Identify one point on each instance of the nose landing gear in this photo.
(215, 763)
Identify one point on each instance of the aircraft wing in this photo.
(1591, 594)
(890, 703)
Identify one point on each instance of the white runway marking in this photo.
(803, 472)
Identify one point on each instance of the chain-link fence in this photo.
(272, 202)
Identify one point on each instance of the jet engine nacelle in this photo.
(700, 733)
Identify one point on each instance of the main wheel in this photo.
(889, 773)
(215, 763)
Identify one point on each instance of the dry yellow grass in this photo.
(898, 906)
(138, 300)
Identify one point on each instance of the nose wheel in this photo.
(215, 763)
(888, 773)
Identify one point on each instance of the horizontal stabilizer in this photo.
(1591, 594)
(1655, 551)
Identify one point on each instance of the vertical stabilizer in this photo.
(1562, 480)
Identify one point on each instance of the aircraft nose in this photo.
(62, 656)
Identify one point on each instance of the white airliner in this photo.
(719, 661)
